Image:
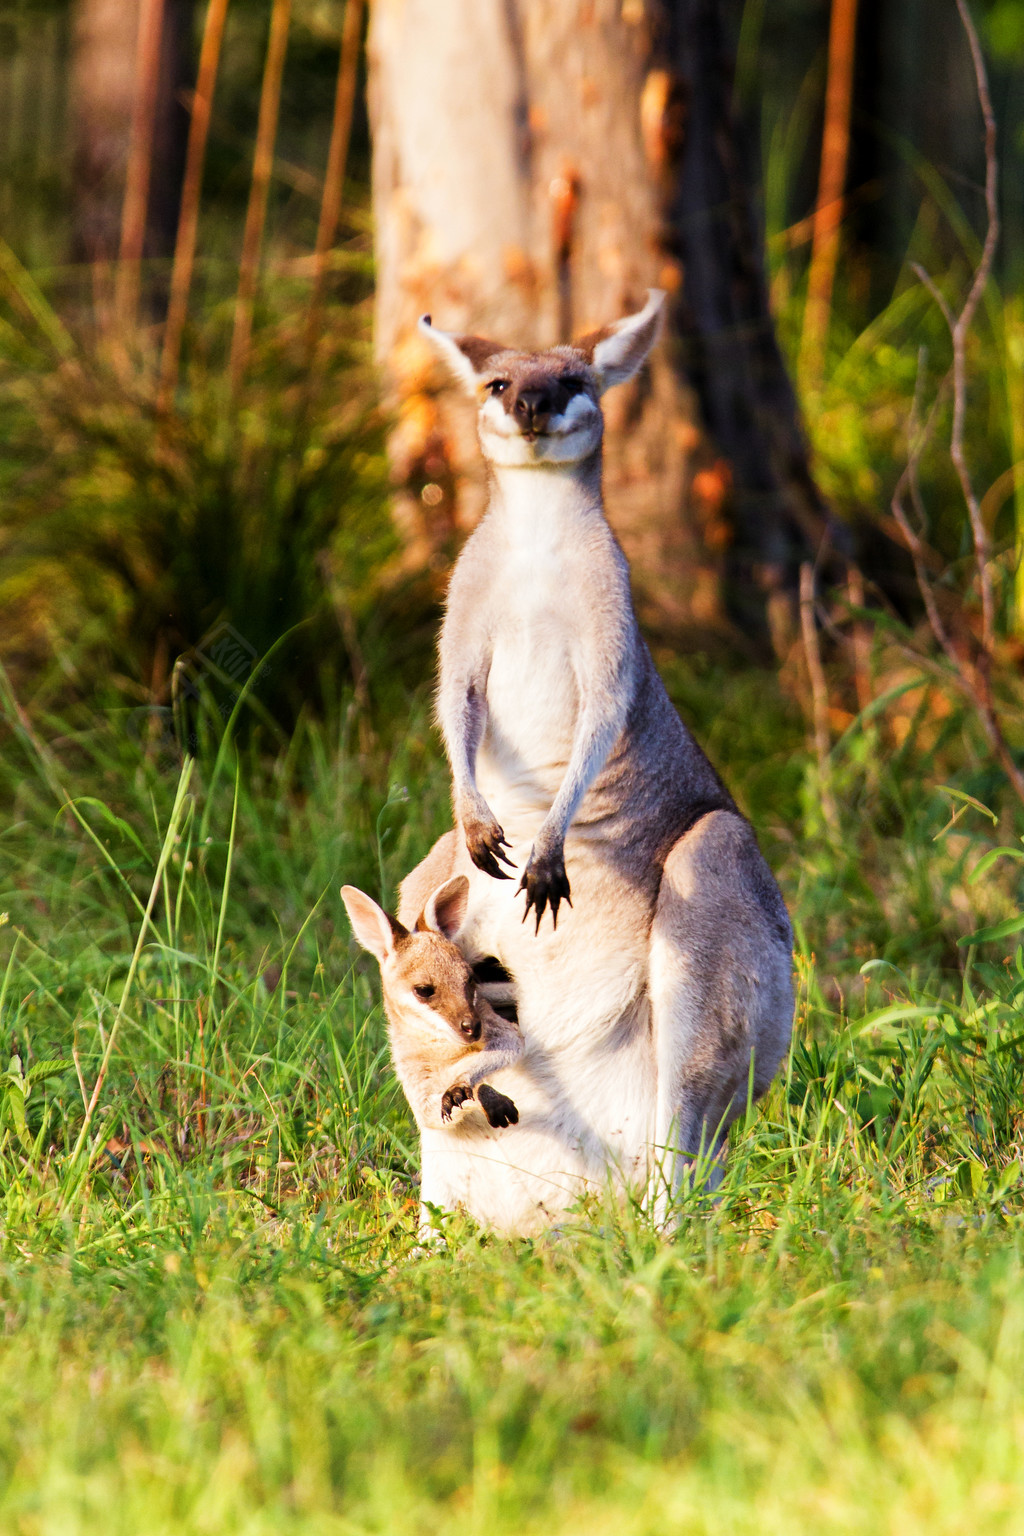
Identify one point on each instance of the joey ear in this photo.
(445, 912)
(465, 355)
(617, 352)
(371, 925)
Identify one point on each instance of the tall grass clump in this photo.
(129, 534)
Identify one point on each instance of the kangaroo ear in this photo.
(445, 912)
(465, 355)
(371, 925)
(617, 352)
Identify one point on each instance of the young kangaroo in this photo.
(661, 993)
(445, 1038)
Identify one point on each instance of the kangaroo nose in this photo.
(533, 407)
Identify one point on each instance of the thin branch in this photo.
(337, 157)
(936, 292)
(908, 481)
(188, 218)
(959, 329)
(982, 548)
(972, 665)
(256, 213)
(140, 163)
(972, 677)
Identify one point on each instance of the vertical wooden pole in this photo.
(140, 155)
(828, 214)
(188, 218)
(337, 157)
(256, 213)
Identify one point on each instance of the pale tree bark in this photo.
(533, 176)
(515, 196)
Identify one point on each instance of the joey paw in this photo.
(546, 884)
(500, 1111)
(454, 1099)
(486, 843)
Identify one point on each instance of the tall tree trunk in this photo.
(515, 195)
(729, 346)
(536, 169)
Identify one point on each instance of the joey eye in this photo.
(573, 384)
(497, 386)
(424, 992)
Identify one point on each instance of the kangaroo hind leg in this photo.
(721, 993)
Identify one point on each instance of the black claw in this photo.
(454, 1098)
(485, 849)
(484, 859)
(545, 887)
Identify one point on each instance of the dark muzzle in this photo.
(533, 409)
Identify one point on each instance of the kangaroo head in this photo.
(424, 978)
(544, 407)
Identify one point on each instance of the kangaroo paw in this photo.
(500, 1111)
(546, 884)
(486, 843)
(454, 1099)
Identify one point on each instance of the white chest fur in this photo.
(541, 520)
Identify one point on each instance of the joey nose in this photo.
(533, 408)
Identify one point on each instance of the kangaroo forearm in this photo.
(504, 1044)
(493, 1060)
(589, 755)
(462, 712)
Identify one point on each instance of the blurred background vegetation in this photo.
(129, 532)
(180, 548)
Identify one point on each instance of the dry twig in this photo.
(971, 663)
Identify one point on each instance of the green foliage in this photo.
(890, 353)
(1004, 28)
(127, 537)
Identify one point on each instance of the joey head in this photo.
(445, 1038)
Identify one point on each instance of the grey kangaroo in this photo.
(659, 993)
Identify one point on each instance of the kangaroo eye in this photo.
(573, 385)
(425, 992)
(497, 386)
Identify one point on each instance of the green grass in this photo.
(218, 1318)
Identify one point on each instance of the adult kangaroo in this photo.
(659, 991)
